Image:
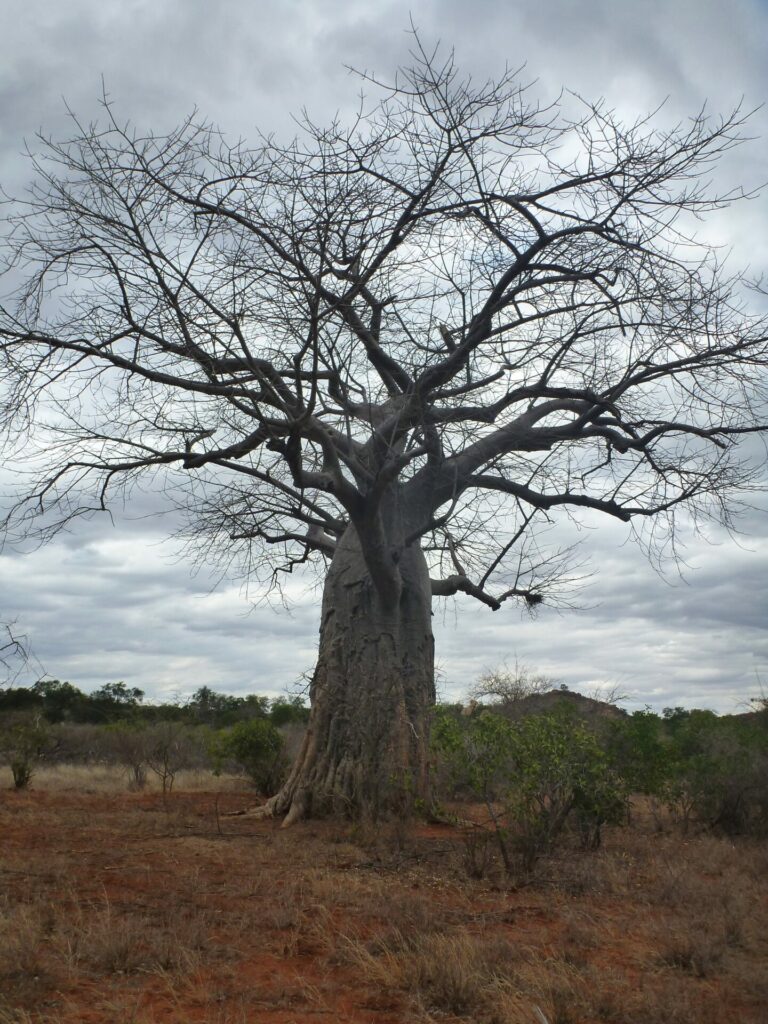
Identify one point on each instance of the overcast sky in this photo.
(111, 600)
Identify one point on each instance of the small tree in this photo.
(116, 700)
(60, 700)
(505, 686)
(220, 709)
(561, 771)
(24, 741)
(288, 711)
(168, 748)
(126, 741)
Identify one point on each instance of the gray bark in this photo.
(366, 750)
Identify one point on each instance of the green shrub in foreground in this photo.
(534, 776)
(255, 748)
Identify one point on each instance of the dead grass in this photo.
(11, 1016)
(108, 778)
(119, 907)
(459, 974)
(696, 952)
(22, 931)
(100, 938)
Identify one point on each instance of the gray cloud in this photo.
(108, 602)
(124, 607)
(698, 640)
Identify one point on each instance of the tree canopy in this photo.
(461, 291)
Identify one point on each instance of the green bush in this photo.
(707, 770)
(254, 747)
(719, 771)
(288, 711)
(534, 776)
(220, 710)
(24, 742)
(562, 774)
(640, 752)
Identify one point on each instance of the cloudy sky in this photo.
(111, 600)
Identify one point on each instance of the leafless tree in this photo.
(397, 349)
(505, 685)
(170, 746)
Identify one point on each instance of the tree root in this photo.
(293, 808)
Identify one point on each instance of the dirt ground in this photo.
(127, 907)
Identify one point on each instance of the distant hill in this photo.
(752, 714)
(540, 703)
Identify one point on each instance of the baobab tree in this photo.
(395, 349)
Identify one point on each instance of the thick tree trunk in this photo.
(365, 753)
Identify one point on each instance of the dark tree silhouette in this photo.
(397, 349)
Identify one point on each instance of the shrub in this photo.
(706, 769)
(24, 741)
(533, 776)
(718, 770)
(169, 747)
(640, 752)
(126, 743)
(254, 747)
(561, 772)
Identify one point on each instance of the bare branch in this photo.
(427, 327)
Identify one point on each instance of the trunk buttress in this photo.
(366, 749)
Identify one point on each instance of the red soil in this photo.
(122, 908)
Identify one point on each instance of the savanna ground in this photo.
(121, 907)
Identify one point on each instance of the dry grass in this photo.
(22, 931)
(696, 951)
(11, 1016)
(108, 778)
(119, 907)
(98, 937)
(459, 974)
(43, 937)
